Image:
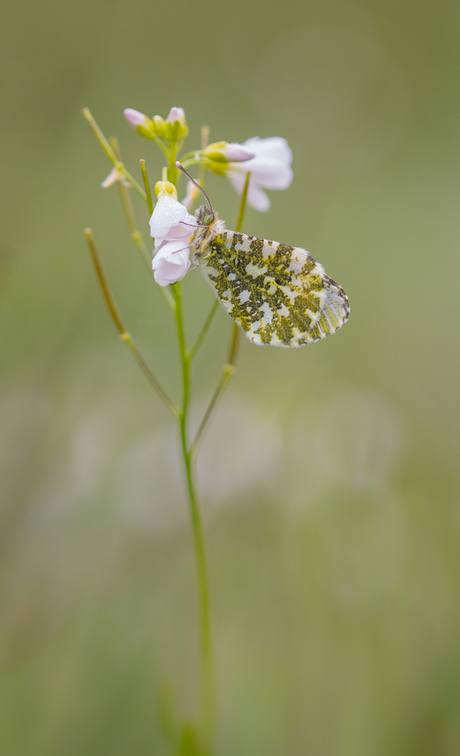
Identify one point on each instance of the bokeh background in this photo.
(330, 475)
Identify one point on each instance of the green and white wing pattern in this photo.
(279, 295)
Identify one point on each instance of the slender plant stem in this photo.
(201, 180)
(227, 372)
(243, 203)
(204, 144)
(207, 671)
(204, 136)
(120, 326)
(204, 330)
(173, 173)
(215, 306)
(162, 146)
(191, 155)
(148, 193)
(136, 235)
(229, 367)
(191, 161)
(111, 154)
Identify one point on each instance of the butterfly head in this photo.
(209, 226)
(208, 223)
(205, 216)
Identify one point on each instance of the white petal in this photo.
(270, 173)
(274, 147)
(256, 196)
(171, 263)
(170, 219)
(271, 166)
(169, 250)
(238, 179)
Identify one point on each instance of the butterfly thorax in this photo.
(209, 227)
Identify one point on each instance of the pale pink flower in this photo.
(172, 227)
(170, 221)
(171, 262)
(270, 169)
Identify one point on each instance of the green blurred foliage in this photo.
(330, 475)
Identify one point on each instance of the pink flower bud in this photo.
(135, 118)
(176, 125)
(176, 114)
(237, 153)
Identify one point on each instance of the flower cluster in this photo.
(267, 160)
(174, 128)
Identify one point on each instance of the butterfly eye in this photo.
(208, 219)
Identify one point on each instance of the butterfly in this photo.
(278, 295)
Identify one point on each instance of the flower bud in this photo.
(159, 126)
(215, 152)
(224, 152)
(165, 189)
(140, 122)
(218, 156)
(176, 125)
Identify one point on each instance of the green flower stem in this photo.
(204, 136)
(148, 193)
(204, 144)
(215, 307)
(229, 367)
(192, 155)
(173, 173)
(243, 203)
(207, 671)
(204, 330)
(111, 154)
(116, 317)
(136, 235)
(162, 146)
(227, 372)
(187, 162)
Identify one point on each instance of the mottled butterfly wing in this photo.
(279, 295)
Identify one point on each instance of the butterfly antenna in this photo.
(181, 168)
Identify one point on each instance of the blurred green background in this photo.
(330, 475)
